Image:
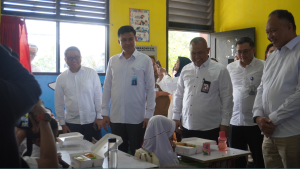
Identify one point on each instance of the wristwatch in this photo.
(44, 116)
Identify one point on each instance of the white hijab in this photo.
(156, 140)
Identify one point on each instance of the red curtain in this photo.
(14, 35)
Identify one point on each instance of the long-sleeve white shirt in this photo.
(203, 111)
(80, 94)
(278, 95)
(168, 84)
(128, 102)
(241, 81)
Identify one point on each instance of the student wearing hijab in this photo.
(168, 84)
(157, 140)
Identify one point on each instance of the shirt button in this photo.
(194, 86)
(197, 77)
(190, 105)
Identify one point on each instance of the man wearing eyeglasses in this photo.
(246, 76)
(78, 90)
(33, 49)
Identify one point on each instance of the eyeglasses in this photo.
(32, 53)
(245, 52)
(71, 58)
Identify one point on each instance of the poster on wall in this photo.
(139, 20)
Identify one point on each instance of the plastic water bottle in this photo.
(222, 141)
(112, 153)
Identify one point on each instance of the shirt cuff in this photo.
(99, 116)
(176, 116)
(104, 112)
(258, 113)
(225, 122)
(274, 119)
(149, 113)
(62, 122)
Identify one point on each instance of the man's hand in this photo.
(105, 121)
(65, 129)
(226, 129)
(38, 108)
(265, 125)
(145, 123)
(35, 127)
(99, 123)
(178, 127)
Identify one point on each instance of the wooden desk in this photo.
(124, 160)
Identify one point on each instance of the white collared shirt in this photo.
(278, 96)
(128, 102)
(241, 81)
(80, 94)
(168, 84)
(203, 111)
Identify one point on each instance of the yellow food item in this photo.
(79, 158)
(185, 144)
(89, 155)
(181, 144)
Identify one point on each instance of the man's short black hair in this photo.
(245, 40)
(32, 45)
(15, 54)
(126, 29)
(198, 39)
(286, 15)
(7, 48)
(71, 48)
(152, 57)
(268, 47)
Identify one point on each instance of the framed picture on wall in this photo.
(139, 20)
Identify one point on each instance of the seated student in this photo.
(157, 140)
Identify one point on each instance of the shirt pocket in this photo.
(140, 74)
(86, 86)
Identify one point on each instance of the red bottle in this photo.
(222, 141)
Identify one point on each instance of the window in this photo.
(179, 45)
(42, 34)
(50, 32)
(90, 39)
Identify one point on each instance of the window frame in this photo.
(57, 18)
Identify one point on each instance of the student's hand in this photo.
(178, 127)
(65, 129)
(161, 72)
(157, 94)
(38, 108)
(99, 123)
(35, 127)
(226, 129)
(105, 121)
(145, 123)
(265, 125)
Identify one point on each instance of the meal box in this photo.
(98, 149)
(74, 136)
(198, 142)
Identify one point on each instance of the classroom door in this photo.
(222, 44)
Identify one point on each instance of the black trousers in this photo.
(240, 137)
(132, 135)
(86, 130)
(208, 134)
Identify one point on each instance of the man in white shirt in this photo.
(246, 76)
(277, 104)
(129, 81)
(78, 90)
(204, 95)
(33, 49)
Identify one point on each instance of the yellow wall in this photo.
(119, 16)
(239, 14)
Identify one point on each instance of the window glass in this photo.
(90, 39)
(42, 45)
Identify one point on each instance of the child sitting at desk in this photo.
(159, 131)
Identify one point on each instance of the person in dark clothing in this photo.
(19, 91)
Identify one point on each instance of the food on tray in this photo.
(82, 158)
(90, 155)
(58, 140)
(185, 144)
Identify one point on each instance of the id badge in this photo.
(134, 81)
(252, 89)
(205, 86)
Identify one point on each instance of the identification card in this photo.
(205, 86)
(134, 81)
(252, 89)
